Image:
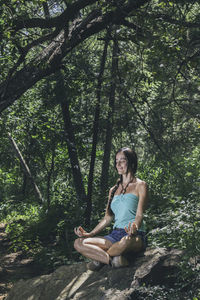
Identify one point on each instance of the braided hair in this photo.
(132, 160)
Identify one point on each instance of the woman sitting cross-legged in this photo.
(126, 205)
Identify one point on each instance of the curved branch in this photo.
(69, 14)
(40, 40)
(50, 59)
(170, 20)
(24, 51)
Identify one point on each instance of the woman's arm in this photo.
(142, 205)
(100, 226)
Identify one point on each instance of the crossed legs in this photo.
(101, 249)
(94, 248)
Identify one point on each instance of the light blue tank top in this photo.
(124, 207)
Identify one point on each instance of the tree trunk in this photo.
(109, 126)
(25, 167)
(95, 133)
(49, 176)
(70, 139)
(49, 171)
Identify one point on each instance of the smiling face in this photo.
(126, 161)
(121, 163)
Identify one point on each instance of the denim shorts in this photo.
(118, 233)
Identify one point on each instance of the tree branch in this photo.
(50, 59)
(69, 14)
(24, 52)
(162, 17)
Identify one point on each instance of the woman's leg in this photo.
(94, 248)
(126, 244)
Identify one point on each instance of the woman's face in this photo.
(121, 163)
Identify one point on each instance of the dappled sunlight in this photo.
(74, 285)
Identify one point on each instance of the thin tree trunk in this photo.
(95, 133)
(109, 126)
(49, 175)
(50, 171)
(24, 184)
(70, 139)
(25, 167)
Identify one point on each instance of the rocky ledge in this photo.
(153, 267)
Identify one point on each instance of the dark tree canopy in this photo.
(68, 30)
(33, 47)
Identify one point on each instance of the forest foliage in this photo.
(80, 79)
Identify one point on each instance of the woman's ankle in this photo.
(119, 261)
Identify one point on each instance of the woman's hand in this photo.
(81, 232)
(131, 229)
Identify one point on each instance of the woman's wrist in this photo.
(135, 227)
(92, 233)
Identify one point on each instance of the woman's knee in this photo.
(116, 249)
(82, 242)
(78, 243)
(126, 240)
(120, 247)
(128, 243)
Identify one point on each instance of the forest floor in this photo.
(13, 266)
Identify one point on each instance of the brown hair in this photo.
(132, 161)
(131, 157)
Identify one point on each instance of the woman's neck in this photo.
(127, 178)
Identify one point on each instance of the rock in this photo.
(154, 267)
(3, 272)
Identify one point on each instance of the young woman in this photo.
(126, 205)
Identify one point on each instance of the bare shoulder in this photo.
(141, 182)
(142, 192)
(141, 185)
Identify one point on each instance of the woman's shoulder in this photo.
(141, 183)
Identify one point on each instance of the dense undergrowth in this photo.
(172, 221)
(42, 236)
